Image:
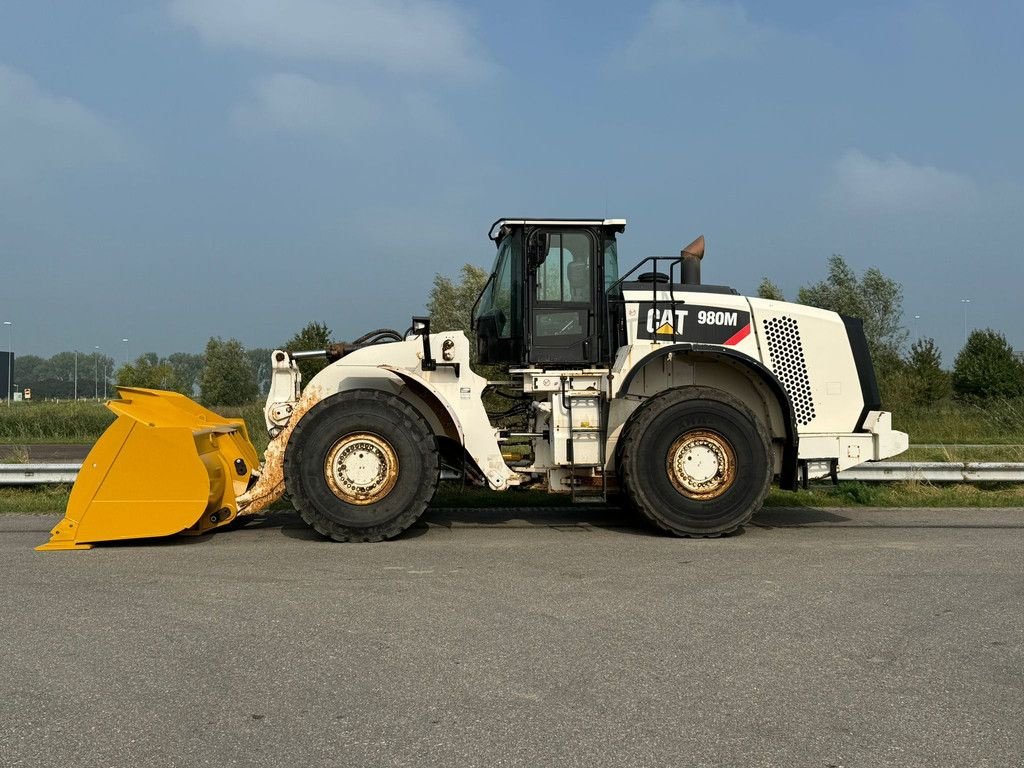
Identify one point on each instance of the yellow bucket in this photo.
(165, 466)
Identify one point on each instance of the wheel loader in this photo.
(686, 399)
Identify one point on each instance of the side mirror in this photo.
(537, 248)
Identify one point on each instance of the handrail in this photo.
(613, 294)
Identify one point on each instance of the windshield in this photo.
(496, 299)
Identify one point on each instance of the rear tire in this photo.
(695, 462)
(361, 466)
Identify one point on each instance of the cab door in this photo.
(563, 268)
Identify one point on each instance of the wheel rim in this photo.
(361, 468)
(701, 465)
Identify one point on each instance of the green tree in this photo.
(61, 367)
(313, 336)
(227, 377)
(450, 307)
(451, 302)
(987, 368)
(259, 361)
(929, 383)
(29, 370)
(187, 369)
(873, 297)
(769, 290)
(54, 377)
(151, 372)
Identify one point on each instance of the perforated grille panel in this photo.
(787, 354)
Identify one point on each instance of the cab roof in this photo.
(495, 232)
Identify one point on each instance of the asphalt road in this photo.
(510, 638)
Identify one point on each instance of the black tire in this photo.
(667, 431)
(318, 472)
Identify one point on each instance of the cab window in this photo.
(564, 275)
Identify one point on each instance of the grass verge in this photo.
(40, 499)
(998, 421)
(903, 494)
(33, 423)
(83, 422)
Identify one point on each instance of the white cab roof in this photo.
(557, 222)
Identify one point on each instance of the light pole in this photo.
(10, 357)
(76, 375)
(965, 302)
(96, 373)
(125, 351)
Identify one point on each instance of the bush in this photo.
(987, 368)
(928, 382)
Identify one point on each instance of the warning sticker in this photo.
(665, 321)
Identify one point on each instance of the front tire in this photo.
(696, 462)
(361, 466)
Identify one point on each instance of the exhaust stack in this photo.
(691, 257)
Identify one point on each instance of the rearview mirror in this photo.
(537, 248)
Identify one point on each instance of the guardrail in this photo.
(938, 471)
(38, 474)
(878, 472)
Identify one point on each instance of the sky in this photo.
(181, 169)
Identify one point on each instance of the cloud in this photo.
(864, 184)
(42, 133)
(408, 37)
(678, 31)
(290, 103)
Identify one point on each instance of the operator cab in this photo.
(544, 303)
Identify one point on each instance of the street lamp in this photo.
(125, 351)
(96, 373)
(10, 357)
(76, 375)
(965, 302)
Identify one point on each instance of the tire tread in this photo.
(638, 425)
(411, 422)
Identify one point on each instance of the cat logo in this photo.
(666, 322)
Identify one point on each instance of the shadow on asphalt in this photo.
(164, 541)
(568, 519)
(794, 517)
